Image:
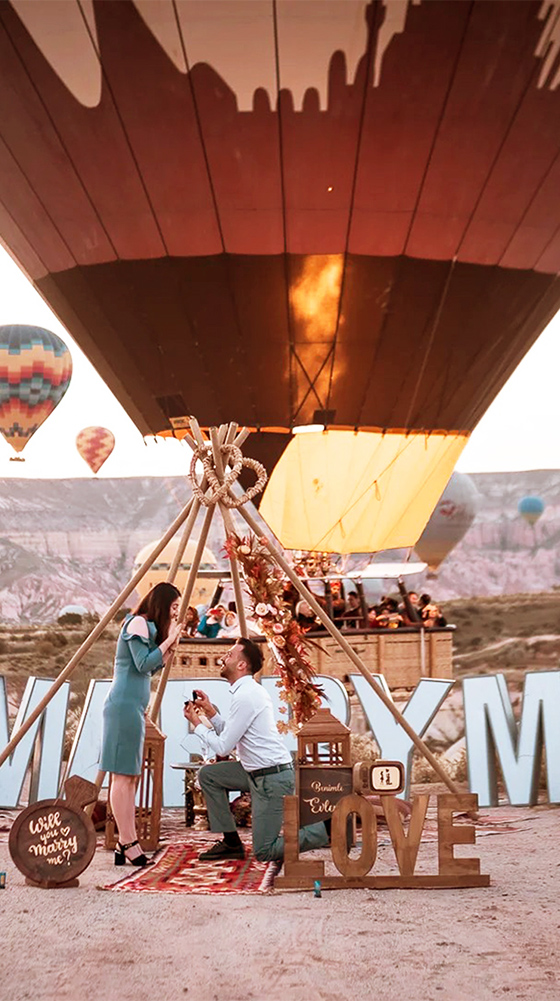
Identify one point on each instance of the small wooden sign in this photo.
(53, 841)
(320, 789)
(387, 777)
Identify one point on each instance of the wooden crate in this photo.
(403, 656)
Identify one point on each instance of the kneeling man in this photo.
(264, 768)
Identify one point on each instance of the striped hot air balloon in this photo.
(95, 445)
(35, 372)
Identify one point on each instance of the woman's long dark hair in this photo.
(155, 607)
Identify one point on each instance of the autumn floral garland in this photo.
(274, 616)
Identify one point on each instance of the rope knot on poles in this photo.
(217, 489)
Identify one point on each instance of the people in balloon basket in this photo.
(264, 767)
(146, 642)
(211, 622)
(430, 612)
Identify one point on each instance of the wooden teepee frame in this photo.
(213, 492)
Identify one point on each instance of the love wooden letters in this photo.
(355, 872)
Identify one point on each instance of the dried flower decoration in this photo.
(286, 640)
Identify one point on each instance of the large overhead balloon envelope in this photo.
(95, 445)
(286, 212)
(452, 517)
(357, 492)
(35, 372)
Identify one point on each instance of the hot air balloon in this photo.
(342, 214)
(206, 582)
(530, 508)
(35, 372)
(350, 492)
(453, 515)
(95, 445)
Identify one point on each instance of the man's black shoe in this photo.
(220, 850)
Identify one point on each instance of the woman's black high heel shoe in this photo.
(122, 859)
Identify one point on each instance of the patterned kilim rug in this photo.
(178, 870)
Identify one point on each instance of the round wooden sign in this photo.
(51, 842)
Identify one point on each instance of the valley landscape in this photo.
(75, 541)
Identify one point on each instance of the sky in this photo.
(519, 431)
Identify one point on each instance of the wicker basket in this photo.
(403, 656)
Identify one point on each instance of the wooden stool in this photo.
(190, 768)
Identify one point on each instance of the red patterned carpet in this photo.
(178, 870)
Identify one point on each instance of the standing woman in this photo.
(145, 643)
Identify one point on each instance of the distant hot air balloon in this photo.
(35, 371)
(530, 508)
(452, 516)
(95, 445)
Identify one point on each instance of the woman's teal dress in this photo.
(123, 712)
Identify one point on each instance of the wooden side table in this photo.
(196, 814)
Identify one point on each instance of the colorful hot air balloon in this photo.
(452, 516)
(530, 508)
(95, 445)
(341, 213)
(35, 372)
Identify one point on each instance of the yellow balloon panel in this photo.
(358, 492)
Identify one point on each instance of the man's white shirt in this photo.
(249, 728)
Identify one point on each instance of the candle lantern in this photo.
(150, 794)
(324, 766)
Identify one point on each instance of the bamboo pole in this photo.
(195, 508)
(95, 633)
(164, 676)
(191, 580)
(235, 437)
(228, 525)
(343, 643)
(183, 542)
(184, 539)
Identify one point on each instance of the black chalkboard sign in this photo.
(53, 840)
(320, 789)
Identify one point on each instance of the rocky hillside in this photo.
(501, 553)
(74, 541)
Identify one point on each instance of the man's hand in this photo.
(204, 705)
(190, 713)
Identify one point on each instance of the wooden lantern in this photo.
(324, 740)
(324, 766)
(150, 794)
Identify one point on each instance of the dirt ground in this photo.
(467, 945)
